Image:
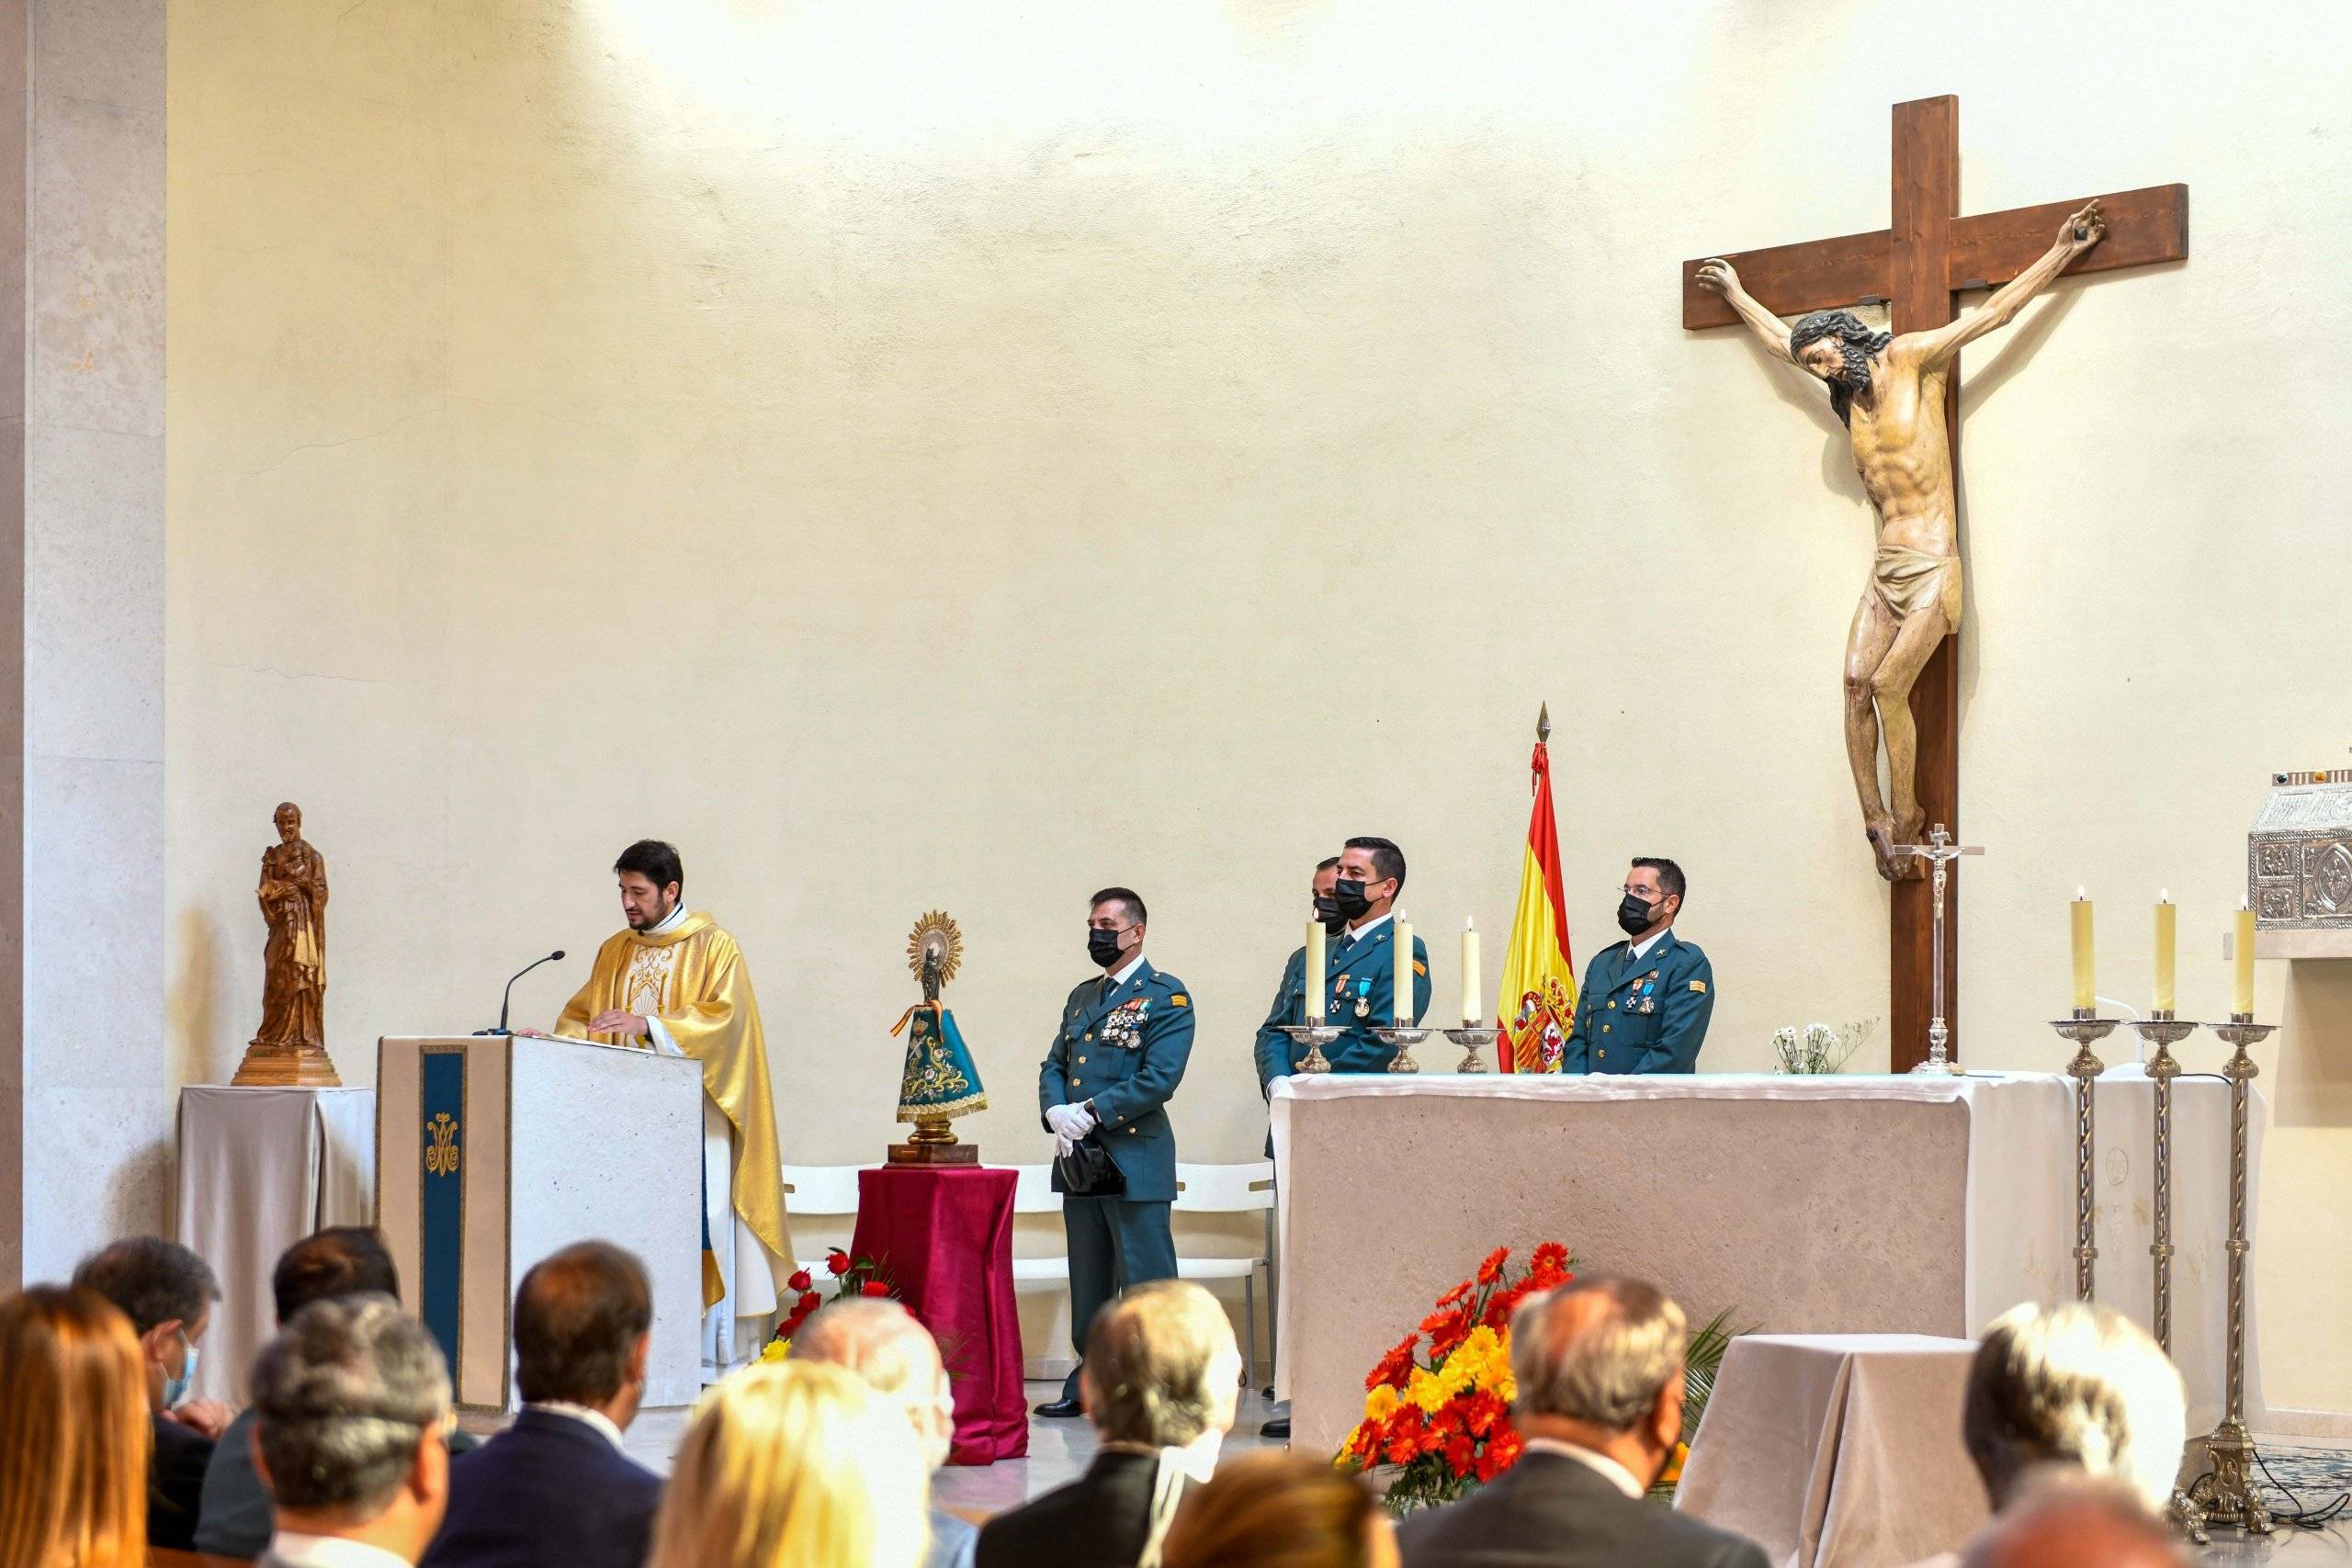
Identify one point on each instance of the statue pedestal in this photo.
(285, 1066)
(935, 1154)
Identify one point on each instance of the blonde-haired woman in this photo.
(794, 1464)
(74, 1433)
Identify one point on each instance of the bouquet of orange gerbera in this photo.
(1441, 1421)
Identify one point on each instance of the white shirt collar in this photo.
(596, 1418)
(1369, 927)
(1124, 975)
(1608, 1469)
(669, 922)
(1642, 948)
(331, 1552)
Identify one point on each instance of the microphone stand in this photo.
(503, 1000)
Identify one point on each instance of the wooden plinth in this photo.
(935, 1154)
(285, 1066)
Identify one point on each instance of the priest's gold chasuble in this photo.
(692, 977)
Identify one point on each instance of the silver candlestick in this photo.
(1470, 1036)
(1939, 852)
(1314, 1034)
(2225, 1494)
(2082, 1029)
(2160, 1028)
(1403, 1036)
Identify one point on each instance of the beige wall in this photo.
(960, 456)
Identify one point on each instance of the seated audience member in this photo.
(167, 1293)
(74, 1433)
(2076, 1522)
(351, 1405)
(1160, 1380)
(1280, 1511)
(2077, 1386)
(790, 1464)
(342, 1261)
(1599, 1365)
(556, 1490)
(881, 1342)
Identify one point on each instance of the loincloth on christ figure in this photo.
(1907, 581)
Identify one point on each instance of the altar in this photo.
(1805, 1205)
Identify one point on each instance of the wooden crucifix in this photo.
(1898, 393)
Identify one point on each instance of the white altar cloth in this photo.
(259, 1169)
(1844, 1204)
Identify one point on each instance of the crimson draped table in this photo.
(944, 1235)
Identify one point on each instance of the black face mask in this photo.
(1347, 897)
(1327, 909)
(1103, 947)
(1634, 917)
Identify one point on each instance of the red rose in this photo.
(837, 1263)
(799, 1281)
(874, 1288)
(809, 1301)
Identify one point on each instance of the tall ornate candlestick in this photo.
(1470, 1036)
(1314, 1036)
(2082, 1029)
(1403, 1036)
(2225, 1494)
(1939, 852)
(2160, 1028)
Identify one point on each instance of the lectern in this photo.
(494, 1151)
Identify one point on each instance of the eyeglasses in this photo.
(1647, 894)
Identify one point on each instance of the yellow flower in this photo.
(1673, 1472)
(776, 1350)
(1380, 1404)
(1425, 1391)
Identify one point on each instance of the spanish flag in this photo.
(1537, 1007)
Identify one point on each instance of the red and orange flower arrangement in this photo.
(1441, 1421)
(852, 1277)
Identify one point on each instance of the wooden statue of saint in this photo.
(1889, 391)
(290, 1049)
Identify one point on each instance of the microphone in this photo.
(503, 1000)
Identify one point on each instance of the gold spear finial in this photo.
(1543, 723)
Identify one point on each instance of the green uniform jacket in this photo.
(1124, 1049)
(1649, 1018)
(1359, 975)
(1276, 1056)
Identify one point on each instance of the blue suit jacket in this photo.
(549, 1492)
(1651, 1017)
(1125, 1051)
(1360, 974)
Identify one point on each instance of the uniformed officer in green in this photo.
(1277, 1054)
(1358, 992)
(1645, 1000)
(1117, 1054)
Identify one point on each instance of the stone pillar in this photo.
(85, 1089)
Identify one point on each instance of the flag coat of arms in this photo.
(1538, 1002)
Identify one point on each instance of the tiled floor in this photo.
(1060, 1450)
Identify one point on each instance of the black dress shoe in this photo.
(1277, 1427)
(1065, 1405)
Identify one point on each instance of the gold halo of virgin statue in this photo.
(940, 1080)
(290, 1050)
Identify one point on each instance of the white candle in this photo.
(2241, 965)
(1473, 995)
(2165, 913)
(1401, 981)
(1313, 980)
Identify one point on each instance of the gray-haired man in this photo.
(896, 1358)
(352, 1404)
(1599, 1365)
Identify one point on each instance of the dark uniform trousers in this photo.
(1123, 1049)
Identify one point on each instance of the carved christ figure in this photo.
(1889, 391)
(293, 896)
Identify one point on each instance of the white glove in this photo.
(1085, 1121)
(1066, 1120)
(1063, 1145)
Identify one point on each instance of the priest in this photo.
(675, 982)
